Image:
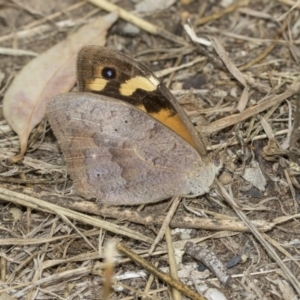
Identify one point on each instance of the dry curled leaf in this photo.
(272, 150)
(51, 73)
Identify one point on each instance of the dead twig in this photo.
(161, 275)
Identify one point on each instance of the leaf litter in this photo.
(61, 243)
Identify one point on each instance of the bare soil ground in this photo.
(241, 92)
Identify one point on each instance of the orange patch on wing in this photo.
(175, 123)
(142, 107)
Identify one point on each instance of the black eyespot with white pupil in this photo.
(108, 73)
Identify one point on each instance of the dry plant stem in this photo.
(55, 15)
(89, 207)
(266, 127)
(223, 12)
(37, 136)
(197, 223)
(37, 241)
(6, 128)
(287, 2)
(16, 52)
(12, 276)
(110, 251)
(67, 221)
(295, 134)
(204, 212)
(287, 142)
(234, 71)
(214, 30)
(140, 208)
(281, 249)
(161, 275)
(131, 18)
(267, 116)
(138, 293)
(2, 267)
(267, 50)
(233, 141)
(39, 204)
(171, 77)
(36, 31)
(58, 277)
(293, 192)
(269, 249)
(39, 22)
(179, 245)
(268, 102)
(38, 270)
(255, 13)
(149, 282)
(172, 262)
(30, 181)
(165, 225)
(147, 220)
(210, 260)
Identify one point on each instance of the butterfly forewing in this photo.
(111, 73)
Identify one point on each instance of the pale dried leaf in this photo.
(255, 176)
(150, 6)
(287, 290)
(51, 73)
(214, 294)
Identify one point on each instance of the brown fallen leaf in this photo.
(51, 73)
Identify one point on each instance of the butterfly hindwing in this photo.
(118, 154)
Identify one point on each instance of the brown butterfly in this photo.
(129, 142)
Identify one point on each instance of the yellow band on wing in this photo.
(97, 84)
(139, 82)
